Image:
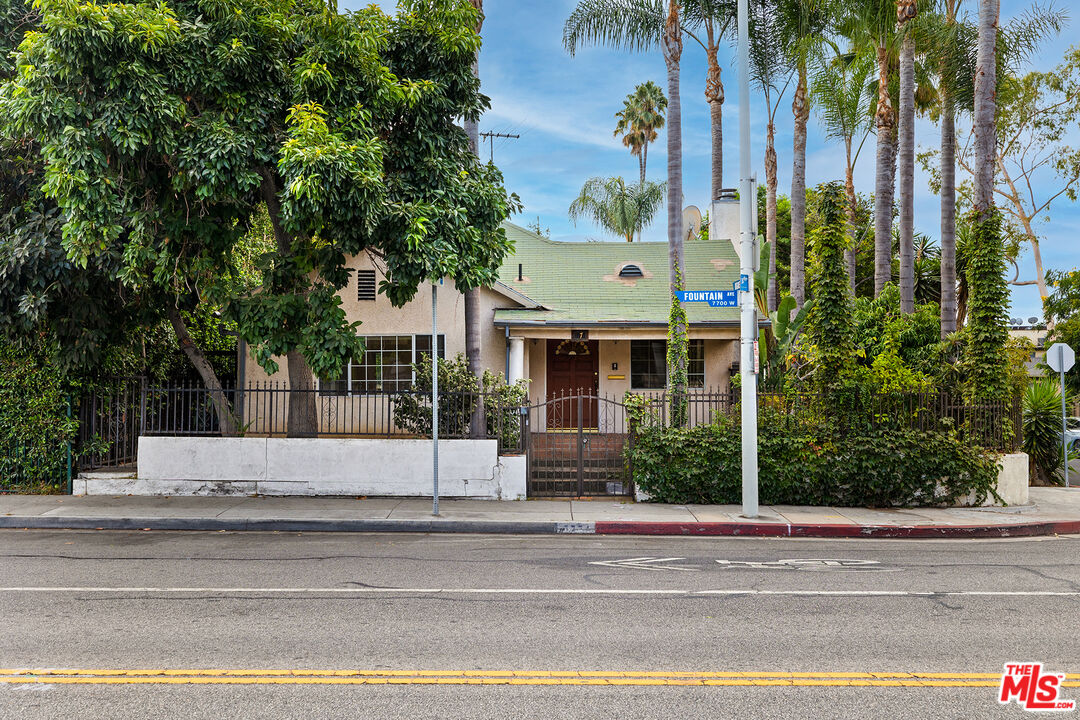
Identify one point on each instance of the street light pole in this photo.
(746, 281)
(435, 398)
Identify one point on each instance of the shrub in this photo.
(1042, 429)
(36, 423)
(457, 401)
(804, 462)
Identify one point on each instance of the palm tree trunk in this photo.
(886, 170)
(985, 109)
(948, 215)
(773, 294)
(714, 93)
(473, 334)
(852, 209)
(672, 46)
(906, 158)
(801, 109)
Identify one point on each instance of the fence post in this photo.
(69, 489)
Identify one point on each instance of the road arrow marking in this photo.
(813, 564)
(645, 563)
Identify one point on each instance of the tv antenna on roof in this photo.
(490, 137)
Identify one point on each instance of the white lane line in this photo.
(536, 591)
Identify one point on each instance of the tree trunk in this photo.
(850, 255)
(948, 215)
(906, 162)
(883, 184)
(985, 109)
(714, 94)
(644, 158)
(672, 46)
(473, 331)
(800, 108)
(303, 420)
(773, 294)
(222, 408)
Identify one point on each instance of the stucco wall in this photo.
(269, 466)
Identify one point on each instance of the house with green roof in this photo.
(570, 317)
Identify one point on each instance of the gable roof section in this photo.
(578, 283)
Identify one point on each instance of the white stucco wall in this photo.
(318, 466)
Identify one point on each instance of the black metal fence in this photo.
(114, 416)
(994, 425)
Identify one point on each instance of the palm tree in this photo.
(773, 76)
(839, 91)
(617, 207)
(871, 25)
(802, 27)
(717, 17)
(636, 25)
(985, 109)
(473, 330)
(642, 115)
(905, 13)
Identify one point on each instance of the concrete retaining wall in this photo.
(317, 466)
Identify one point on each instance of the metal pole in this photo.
(435, 398)
(749, 312)
(1064, 428)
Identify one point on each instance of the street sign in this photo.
(715, 298)
(1060, 357)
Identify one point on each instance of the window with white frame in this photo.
(648, 364)
(386, 365)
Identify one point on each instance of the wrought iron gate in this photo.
(575, 447)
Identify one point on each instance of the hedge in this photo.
(811, 465)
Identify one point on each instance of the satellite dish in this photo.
(1033, 321)
(1016, 321)
(691, 218)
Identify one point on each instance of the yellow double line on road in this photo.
(500, 677)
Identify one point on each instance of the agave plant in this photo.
(1042, 429)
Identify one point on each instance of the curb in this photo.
(604, 527)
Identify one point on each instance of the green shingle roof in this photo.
(579, 282)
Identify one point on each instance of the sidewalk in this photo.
(1053, 511)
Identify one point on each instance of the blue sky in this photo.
(563, 109)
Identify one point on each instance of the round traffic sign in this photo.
(1060, 357)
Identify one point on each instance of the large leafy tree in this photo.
(78, 313)
(619, 208)
(473, 321)
(164, 126)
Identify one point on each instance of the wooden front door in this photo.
(573, 369)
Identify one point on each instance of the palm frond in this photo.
(632, 25)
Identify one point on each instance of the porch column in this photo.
(517, 359)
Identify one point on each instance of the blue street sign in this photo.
(715, 298)
(744, 283)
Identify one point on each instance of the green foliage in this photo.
(186, 120)
(804, 462)
(896, 352)
(783, 331)
(678, 348)
(988, 298)
(36, 423)
(829, 324)
(616, 207)
(457, 401)
(1062, 308)
(1042, 428)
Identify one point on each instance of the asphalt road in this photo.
(215, 625)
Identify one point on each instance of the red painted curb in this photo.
(758, 529)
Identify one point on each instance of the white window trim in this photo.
(413, 354)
